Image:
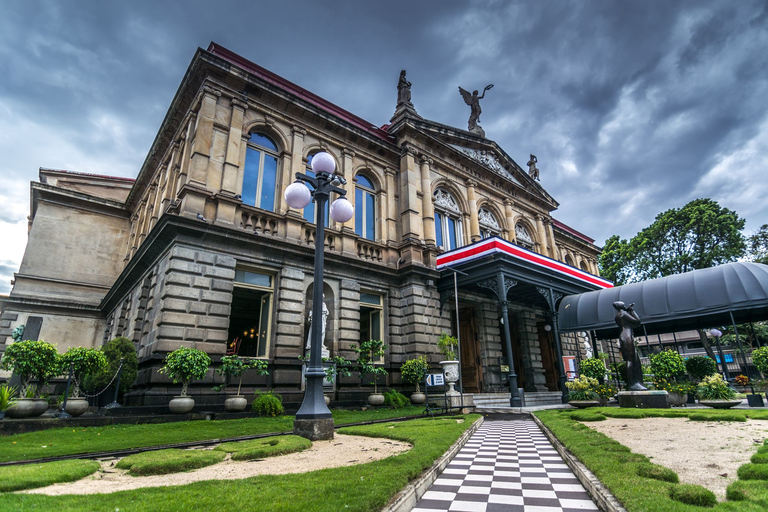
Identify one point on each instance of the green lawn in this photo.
(620, 469)
(366, 487)
(69, 441)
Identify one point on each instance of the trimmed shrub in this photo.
(753, 472)
(31, 476)
(396, 400)
(114, 350)
(625, 413)
(699, 416)
(172, 460)
(649, 470)
(593, 368)
(262, 448)
(587, 416)
(667, 365)
(700, 366)
(760, 358)
(268, 404)
(759, 458)
(693, 495)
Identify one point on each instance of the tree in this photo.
(757, 245)
(701, 234)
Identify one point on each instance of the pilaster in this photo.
(474, 224)
(427, 207)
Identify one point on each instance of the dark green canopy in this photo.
(693, 300)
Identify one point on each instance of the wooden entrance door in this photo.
(471, 369)
(548, 357)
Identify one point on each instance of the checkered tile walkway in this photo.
(507, 466)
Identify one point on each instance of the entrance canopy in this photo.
(527, 275)
(701, 298)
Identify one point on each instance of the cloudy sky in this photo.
(632, 107)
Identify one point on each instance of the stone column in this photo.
(474, 225)
(510, 214)
(391, 217)
(542, 235)
(410, 216)
(201, 152)
(427, 208)
(229, 181)
(551, 234)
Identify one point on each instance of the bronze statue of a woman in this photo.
(627, 319)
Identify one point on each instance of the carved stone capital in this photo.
(298, 131)
(348, 152)
(471, 183)
(269, 120)
(425, 160)
(509, 202)
(409, 150)
(239, 104)
(212, 91)
(388, 171)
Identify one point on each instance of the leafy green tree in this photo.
(84, 361)
(114, 350)
(757, 244)
(185, 364)
(613, 260)
(29, 359)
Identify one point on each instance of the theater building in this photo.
(201, 250)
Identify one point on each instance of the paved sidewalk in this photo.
(507, 466)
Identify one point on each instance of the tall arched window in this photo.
(309, 210)
(365, 208)
(523, 236)
(489, 226)
(260, 174)
(447, 221)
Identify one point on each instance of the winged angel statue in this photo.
(473, 100)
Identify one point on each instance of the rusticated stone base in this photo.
(314, 430)
(644, 399)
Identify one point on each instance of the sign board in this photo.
(435, 379)
(569, 363)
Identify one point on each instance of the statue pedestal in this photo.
(644, 399)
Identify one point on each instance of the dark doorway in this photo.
(548, 357)
(471, 368)
(517, 353)
(249, 321)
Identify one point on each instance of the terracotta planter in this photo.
(418, 398)
(23, 408)
(181, 404)
(236, 403)
(76, 406)
(720, 404)
(376, 399)
(583, 404)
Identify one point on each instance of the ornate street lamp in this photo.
(313, 420)
(717, 334)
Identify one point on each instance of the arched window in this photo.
(583, 265)
(365, 208)
(523, 236)
(489, 226)
(569, 260)
(260, 174)
(309, 210)
(447, 221)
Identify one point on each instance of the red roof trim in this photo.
(121, 178)
(495, 245)
(572, 231)
(302, 93)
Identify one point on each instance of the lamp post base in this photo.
(319, 429)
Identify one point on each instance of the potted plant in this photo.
(367, 354)
(448, 345)
(582, 392)
(82, 362)
(118, 350)
(235, 366)
(415, 371)
(677, 392)
(28, 359)
(760, 359)
(184, 365)
(593, 367)
(699, 367)
(338, 366)
(7, 397)
(713, 391)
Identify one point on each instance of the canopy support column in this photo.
(552, 297)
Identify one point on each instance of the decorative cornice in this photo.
(239, 104)
(212, 91)
(298, 131)
(487, 159)
(348, 152)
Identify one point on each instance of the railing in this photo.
(259, 221)
(369, 251)
(330, 238)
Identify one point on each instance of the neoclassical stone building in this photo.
(201, 250)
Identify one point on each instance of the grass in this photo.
(366, 487)
(163, 462)
(70, 441)
(261, 448)
(30, 476)
(620, 470)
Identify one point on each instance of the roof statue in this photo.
(473, 100)
(533, 171)
(403, 90)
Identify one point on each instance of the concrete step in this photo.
(532, 399)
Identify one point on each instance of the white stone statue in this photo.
(588, 348)
(325, 351)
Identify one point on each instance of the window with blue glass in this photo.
(448, 231)
(728, 358)
(365, 208)
(309, 210)
(260, 173)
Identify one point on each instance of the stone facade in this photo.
(200, 244)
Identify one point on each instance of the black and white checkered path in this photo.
(507, 466)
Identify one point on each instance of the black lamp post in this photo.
(717, 334)
(313, 420)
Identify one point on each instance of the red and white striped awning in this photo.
(497, 245)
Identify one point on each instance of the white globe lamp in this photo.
(341, 210)
(297, 195)
(323, 162)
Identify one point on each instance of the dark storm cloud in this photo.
(631, 107)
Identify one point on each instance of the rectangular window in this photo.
(269, 183)
(251, 314)
(371, 312)
(251, 176)
(309, 210)
(439, 230)
(370, 215)
(451, 233)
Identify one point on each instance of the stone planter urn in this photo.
(583, 404)
(418, 398)
(451, 371)
(23, 408)
(181, 404)
(720, 404)
(236, 403)
(327, 399)
(41, 405)
(677, 399)
(76, 406)
(376, 399)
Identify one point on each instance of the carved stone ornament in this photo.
(489, 160)
(522, 234)
(486, 218)
(445, 200)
